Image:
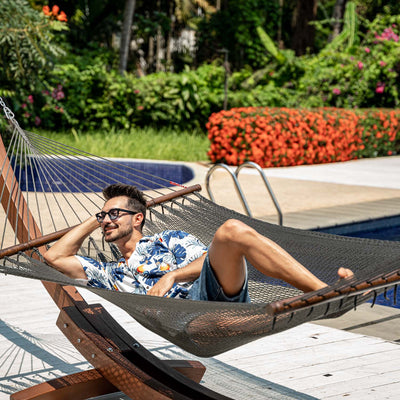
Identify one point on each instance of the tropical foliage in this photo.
(28, 43)
(60, 69)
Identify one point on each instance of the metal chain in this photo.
(7, 111)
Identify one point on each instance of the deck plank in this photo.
(287, 365)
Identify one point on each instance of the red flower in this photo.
(62, 17)
(46, 10)
(380, 87)
(279, 137)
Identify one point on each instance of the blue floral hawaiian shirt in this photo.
(153, 257)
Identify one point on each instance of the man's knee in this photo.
(232, 230)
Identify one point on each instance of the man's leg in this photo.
(235, 240)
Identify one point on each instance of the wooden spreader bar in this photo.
(358, 289)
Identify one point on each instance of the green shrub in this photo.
(182, 100)
(95, 97)
(27, 43)
(89, 96)
(30, 44)
(363, 75)
(380, 133)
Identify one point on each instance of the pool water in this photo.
(387, 228)
(382, 229)
(90, 175)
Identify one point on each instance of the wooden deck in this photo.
(308, 362)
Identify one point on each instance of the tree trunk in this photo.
(279, 34)
(303, 32)
(150, 55)
(159, 39)
(168, 47)
(126, 35)
(337, 16)
(159, 43)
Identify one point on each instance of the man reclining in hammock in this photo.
(175, 263)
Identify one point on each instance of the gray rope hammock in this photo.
(60, 186)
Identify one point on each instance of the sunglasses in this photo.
(113, 214)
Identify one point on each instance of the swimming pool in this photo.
(89, 175)
(387, 228)
(383, 229)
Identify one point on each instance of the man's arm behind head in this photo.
(61, 255)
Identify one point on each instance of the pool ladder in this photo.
(235, 175)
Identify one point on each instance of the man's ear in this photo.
(138, 219)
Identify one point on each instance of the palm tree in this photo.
(126, 34)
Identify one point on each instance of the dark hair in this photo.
(136, 200)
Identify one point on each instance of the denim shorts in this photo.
(207, 287)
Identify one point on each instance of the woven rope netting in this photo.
(61, 186)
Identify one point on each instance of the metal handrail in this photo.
(236, 182)
(238, 188)
(251, 164)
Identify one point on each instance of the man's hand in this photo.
(186, 274)
(163, 285)
(61, 255)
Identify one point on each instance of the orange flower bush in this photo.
(276, 137)
(54, 13)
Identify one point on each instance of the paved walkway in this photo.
(361, 360)
(342, 192)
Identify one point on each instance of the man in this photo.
(175, 263)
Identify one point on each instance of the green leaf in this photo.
(185, 95)
(269, 45)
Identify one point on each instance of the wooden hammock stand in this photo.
(120, 362)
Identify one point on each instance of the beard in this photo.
(117, 234)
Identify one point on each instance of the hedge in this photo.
(276, 137)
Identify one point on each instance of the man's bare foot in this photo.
(348, 273)
(345, 273)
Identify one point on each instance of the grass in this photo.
(147, 143)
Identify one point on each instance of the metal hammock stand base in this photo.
(202, 328)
